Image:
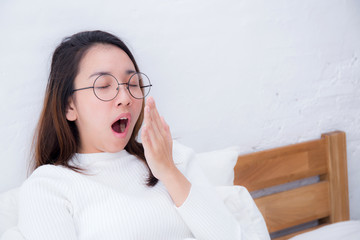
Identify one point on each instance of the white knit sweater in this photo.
(113, 202)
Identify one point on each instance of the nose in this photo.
(123, 98)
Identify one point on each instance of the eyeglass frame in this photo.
(118, 89)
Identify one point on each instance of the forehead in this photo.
(105, 57)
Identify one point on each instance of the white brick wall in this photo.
(257, 74)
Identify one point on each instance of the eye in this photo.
(102, 87)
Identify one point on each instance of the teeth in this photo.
(123, 118)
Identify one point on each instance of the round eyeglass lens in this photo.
(106, 87)
(139, 85)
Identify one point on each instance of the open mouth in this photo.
(120, 125)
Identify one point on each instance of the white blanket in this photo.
(347, 230)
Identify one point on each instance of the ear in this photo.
(71, 113)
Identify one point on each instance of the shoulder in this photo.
(50, 172)
(49, 169)
(46, 199)
(47, 178)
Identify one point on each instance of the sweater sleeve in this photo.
(203, 211)
(44, 209)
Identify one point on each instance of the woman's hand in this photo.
(157, 142)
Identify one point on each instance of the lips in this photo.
(121, 124)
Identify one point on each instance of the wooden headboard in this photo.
(326, 201)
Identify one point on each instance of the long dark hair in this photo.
(56, 139)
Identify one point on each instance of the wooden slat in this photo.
(299, 232)
(337, 177)
(281, 165)
(327, 200)
(294, 207)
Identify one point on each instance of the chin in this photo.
(115, 147)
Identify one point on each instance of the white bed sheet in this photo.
(346, 230)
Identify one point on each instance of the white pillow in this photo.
(239, 202)
(12, 233)
(8, 209)
(218, 166)
(347, 230)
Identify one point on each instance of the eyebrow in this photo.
(108, 73)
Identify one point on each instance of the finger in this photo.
(149, 137)
(165, 125)
(167, 129)
(150, 129)
(153, 106)
(145, 137)
(152, 118)
(156, 117)
(147, 118)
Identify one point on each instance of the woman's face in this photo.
(98, 122)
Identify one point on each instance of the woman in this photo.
(93, 180)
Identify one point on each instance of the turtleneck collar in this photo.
(87, 159)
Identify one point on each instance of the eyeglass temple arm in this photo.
(81, 89)
(146, 86)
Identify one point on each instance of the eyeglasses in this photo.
(106, 86)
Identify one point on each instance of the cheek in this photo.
(93, 114)
(138, 106)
